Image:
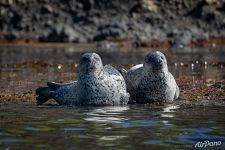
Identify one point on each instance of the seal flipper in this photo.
(44, 94)
(54, 86)
(177, 92)
(124, 99)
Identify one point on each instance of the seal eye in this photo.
(150, 59)
(85, 59)
(96, 58)
(147, 60)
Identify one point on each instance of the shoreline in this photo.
(203, 95)
(119, 43)
(181, 103)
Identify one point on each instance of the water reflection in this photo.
(11, 140)
(32, 129)
(170, 108)
(112, 114)
(168, 111)
(112, 138)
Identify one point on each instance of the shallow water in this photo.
(25, 125)
(127, 127)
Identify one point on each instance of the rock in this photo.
(106, 45)
(11, 36)
(71, 34)
(47, 9)
(99, 20)
(6, 2)
(62, 33)
(150, 5)
(211, 1)
(106, 31)
(181, 38)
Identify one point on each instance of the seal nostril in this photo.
(159, 61)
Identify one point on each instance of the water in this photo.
(23, 125)
(127, 127)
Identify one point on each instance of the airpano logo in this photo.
(207, 143)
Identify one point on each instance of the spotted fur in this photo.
(96, 86)
(151, 81)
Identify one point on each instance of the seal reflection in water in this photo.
(97, 85)
(151, 81)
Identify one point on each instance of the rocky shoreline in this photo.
(145, 23)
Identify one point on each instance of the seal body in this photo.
(151, 81)
(96, 86)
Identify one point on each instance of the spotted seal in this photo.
(151, 81)
(97, 85)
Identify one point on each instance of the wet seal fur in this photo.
(151, 81)
(97, 85)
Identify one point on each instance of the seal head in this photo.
(90, 64)
(155, 62)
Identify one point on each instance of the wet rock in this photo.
(106, 45)
(150, 5)
(114, 30)
(197, 33)
(181, 39)
(211, 1)
(71, 34)
(6, 2)
(99, 20)
(219, 85)
(47, 9)
(62, 33)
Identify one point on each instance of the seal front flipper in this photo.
(177, 93)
